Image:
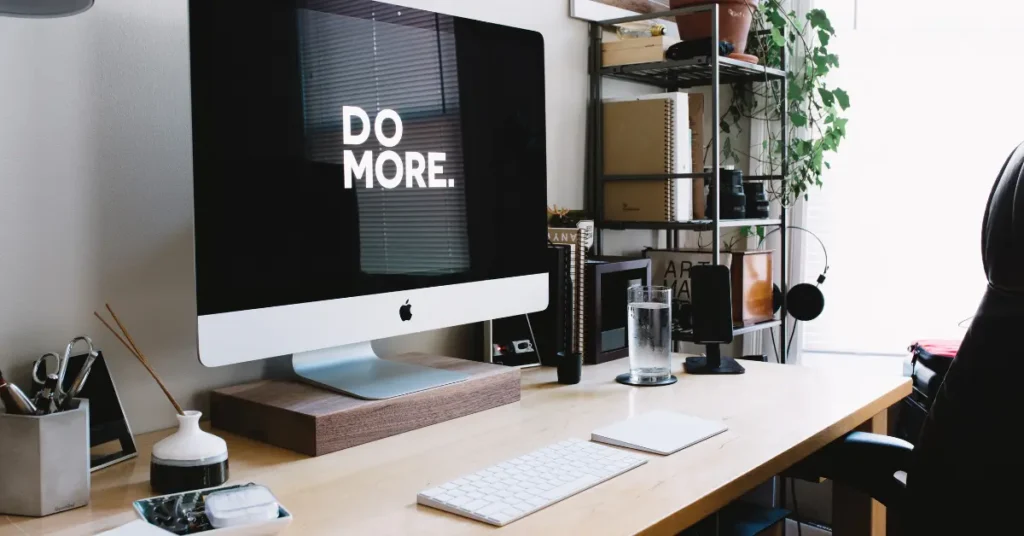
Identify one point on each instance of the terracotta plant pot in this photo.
(733, 25)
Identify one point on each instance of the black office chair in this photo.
(965, 474)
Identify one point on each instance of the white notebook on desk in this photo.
(660, 432)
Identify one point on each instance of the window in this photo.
(934, 113)
(404, 60)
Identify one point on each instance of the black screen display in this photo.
(345, 148)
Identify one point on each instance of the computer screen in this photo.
(347, 148)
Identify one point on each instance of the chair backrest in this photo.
(965, 444)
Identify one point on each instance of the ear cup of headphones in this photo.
(805, 302)
(776, 298)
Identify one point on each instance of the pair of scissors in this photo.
(40, 368)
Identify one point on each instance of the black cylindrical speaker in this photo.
(730, 195)
(757, 200)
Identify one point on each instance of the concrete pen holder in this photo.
(44, 462)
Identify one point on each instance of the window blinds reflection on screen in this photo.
(405, 62)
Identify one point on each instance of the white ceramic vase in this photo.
(188, 459)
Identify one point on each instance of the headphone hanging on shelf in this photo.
(804, 301)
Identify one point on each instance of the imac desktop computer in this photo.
(361, 170)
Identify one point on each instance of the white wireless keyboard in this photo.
(519, 487)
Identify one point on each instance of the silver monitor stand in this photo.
(356, 370)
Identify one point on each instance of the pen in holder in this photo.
(44, 461)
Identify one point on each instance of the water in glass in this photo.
(650, 333)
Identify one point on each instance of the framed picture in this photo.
(611, 9)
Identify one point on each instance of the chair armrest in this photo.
(865, 461)
(872, 452)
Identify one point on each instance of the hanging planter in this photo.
(734, 18)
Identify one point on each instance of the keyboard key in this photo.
(460, 501)
(433, 492)
(475, 495)
(460, 482)
(491, 509)
(502, 517)
(476, 505)
(537, 501)
(570, 488)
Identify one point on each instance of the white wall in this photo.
(95, 176)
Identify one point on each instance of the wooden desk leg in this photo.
(855, 513)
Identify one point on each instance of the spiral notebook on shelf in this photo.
(661, 432)
(647, 135)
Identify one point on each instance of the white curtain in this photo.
(934, 113)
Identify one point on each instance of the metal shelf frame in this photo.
(692, 225)
(711, 70)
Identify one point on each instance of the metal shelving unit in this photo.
(711, 70)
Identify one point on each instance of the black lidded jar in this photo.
(189, 459)
(757, 200)
(570, 367)
(730, 194)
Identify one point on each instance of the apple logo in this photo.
(405, 311)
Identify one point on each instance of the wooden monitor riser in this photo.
(314, 421)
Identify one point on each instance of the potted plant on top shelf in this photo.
(816, 124)
(735, 17)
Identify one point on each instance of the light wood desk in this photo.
(777, 415)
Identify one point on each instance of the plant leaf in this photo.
(777, 37)
(821, 65)
(840, 128)
(819, 20)
(775, 18)
(823, 38)
(842, 98)
(826, 96)
(798, 119)
(795, 91)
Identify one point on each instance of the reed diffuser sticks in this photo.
(134, 350)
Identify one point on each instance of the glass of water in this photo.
(650, 334)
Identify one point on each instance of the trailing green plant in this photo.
(816, 123)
